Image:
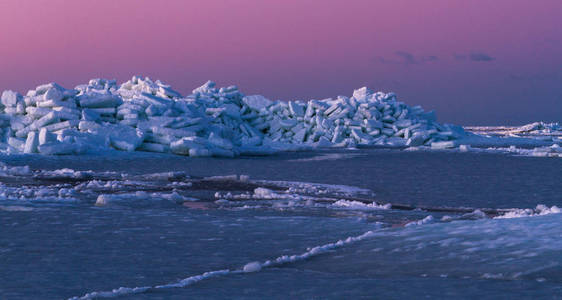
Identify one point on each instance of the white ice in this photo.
(147, 115)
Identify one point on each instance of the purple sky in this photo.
(474, 62)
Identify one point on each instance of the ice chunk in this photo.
(417, 139)
(47, 119)
(288, 123)
(173, 132)
(426, 220)
(45, 136)
(31, 143)
(323, 142)
(361, 94)
(257, 102)
(403, 123)
(88, 126)
(443, 145)
(296, 109)
(153, 147)
(61, 125)
(98, 100)
(125, 138)
(183, 145)
(37, 112)
(42, 89)
(252, 267)
(220, 152)
(220, 142)
(57, 148)
(199, 152)
(53, 94)
(16, 143)
(90, 115)
(10, 98)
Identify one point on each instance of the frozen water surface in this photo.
(327, 224)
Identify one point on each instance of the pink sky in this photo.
(474, 62)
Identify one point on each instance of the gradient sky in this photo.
(474, 62)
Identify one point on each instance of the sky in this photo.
(475, 62)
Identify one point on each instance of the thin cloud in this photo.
(534, 77)
(479, 56)
(406, 58)
(474, 56)
(460, 56)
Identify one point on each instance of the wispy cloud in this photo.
(474, 56)
(406, 58)
(535, 77)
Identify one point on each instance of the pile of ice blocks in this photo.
(146, 115)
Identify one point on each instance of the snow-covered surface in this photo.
(537, 139)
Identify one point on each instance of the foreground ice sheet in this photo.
(186, 233)
(512, 251)
(248, 268)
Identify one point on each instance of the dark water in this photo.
(58, 250)
(425, 178)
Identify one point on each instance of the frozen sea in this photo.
(169, 227)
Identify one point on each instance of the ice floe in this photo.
(426, 220)
(141, 196)
(540, 210)
(530, 147)
(356, 205)
(536, 129)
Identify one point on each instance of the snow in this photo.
(316, 188)
(505, 145)
(532, 129)
(356, 205)
(6, 170)
(263, 193)
(252, 267)
(140, 196)
(426, 220)
(540, 210)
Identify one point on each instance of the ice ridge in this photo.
(146, 115)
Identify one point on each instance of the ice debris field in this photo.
(146, 115)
